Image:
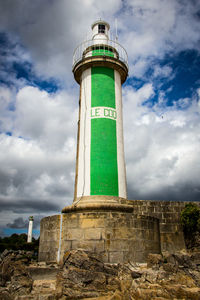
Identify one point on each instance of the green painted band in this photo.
(103, 87)
(99, 51)
(103, 159)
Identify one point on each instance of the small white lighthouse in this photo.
(30, 229)
(100, 66)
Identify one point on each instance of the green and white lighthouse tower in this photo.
(100, 220)
(100, 66)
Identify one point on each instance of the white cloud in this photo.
(154, 28)
(52, 29)
(161, 144)
(198, 93)
(6, 115)
(133, 100)
(159, 71)
(162, 151)
(47, 118)
(147, 29)
(38, 160)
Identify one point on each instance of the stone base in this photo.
(119, 229)
(109, 229)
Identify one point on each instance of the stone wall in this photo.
(118, 235)
(49, 238)
(168, 214)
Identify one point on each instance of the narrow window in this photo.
(101, 28)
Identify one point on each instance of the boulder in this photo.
(5, 295)
(154, 261)
(85, 275)
(14, 274)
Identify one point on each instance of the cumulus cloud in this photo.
(162, 72)
(162, 149)
(49, 119)
(152, 28)
(51, 43)
(155, 28)
(38, 127)
(20, 223)
(38, 159)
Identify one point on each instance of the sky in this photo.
(39, 101)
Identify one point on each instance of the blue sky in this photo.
(39, 101)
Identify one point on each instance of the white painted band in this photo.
(83, 178)
(120, 138)
(103, 112)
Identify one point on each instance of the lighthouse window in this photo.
(101, 28)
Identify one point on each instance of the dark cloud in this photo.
(29, 206)
(19, 223)
(2, 234)
(49, 42)
(37, 159)
(178, 192)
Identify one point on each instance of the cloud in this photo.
(162, 72)
(49, 119)
(38, 159)
(6, 115)
(29, 206)
(21, 223)
(39, 101)
(156, 28)
(162, 149)
(147, 29)
(18, 223)
(12, 54)
(51, 44)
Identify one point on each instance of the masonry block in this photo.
(119, 235)
(92, 234)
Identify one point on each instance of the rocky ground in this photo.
(84, 276)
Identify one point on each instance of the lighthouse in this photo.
(100, 66)
(100, 220)
(30, 230)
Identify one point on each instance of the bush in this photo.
(19, 242)
(190, 218)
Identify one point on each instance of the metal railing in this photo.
(105, 47)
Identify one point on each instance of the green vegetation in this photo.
(19, 242)
(190, 218)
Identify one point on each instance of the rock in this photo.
(183, 260)
(182, 292)
(5, 253)
(14, 275)
(154, 260)
(83, 260)
(195, 258)
(171, 268)
(85, 274)
(173, 263)
(135, 274)
(20, 283)
(5, 295)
